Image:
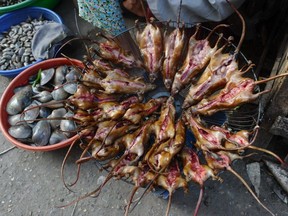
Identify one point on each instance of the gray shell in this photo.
(20, 131)
(57, 137)
(41, 133)
(19, 100)
(46, 75)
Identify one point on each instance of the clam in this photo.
(41, 133)
(46, 76)
(21, 131)
(73, 75)
(55, 117)
(59, 93)
(60, 74)
(43, 96)
(68, 126)
(15, 119)
(31, 112)
(70, 88)
(19, 100)
(44, 112)
(57, 137)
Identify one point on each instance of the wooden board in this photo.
(275, 103)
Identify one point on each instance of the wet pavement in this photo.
(31, 184)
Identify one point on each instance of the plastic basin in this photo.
(38, 3)
(20, 80)
(17, 6)
(18, 16)
(46, 3)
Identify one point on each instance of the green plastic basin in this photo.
(17, 6)
(46, 3)
(39, 3)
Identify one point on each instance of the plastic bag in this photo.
(48, 39)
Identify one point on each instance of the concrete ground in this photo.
(30, 182)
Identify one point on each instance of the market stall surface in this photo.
(31, 183)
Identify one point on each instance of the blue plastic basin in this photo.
(13, 18)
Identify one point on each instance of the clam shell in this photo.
(60, 74)
(59, 93)
(73, 75)
(20, 131)
(57, 113)
(70, 88)
(44, 112)
(46, 76)
(19, 100)
(68, 125)
(57, 137)
(43, 96)
(41, 133)
(14, 119)
(31, 112)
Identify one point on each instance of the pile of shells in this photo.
(15, 44)
(36, 112)
(4, 3)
